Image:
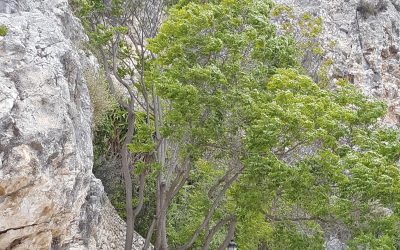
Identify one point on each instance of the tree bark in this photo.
(229, 236)
(149, 234)
(127, 178)
(214, 230)
(211, 211)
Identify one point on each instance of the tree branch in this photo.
(214, 230)
(229, 236)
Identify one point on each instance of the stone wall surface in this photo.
(363, 40)
(49, 198)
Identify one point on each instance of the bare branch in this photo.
(150, 233)
(138, 208)
(211, 211)
(214, 230)
(229, 236)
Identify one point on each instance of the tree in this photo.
(314, 158)
(202, 50)
(118, 31)
(237, 139)
(207, 57)
(303, 154)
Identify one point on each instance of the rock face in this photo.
(49, 198)
(362, 37)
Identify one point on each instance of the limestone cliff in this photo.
(362, 37)
(49, 198)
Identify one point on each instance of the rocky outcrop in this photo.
(362, 37)
(49, 198)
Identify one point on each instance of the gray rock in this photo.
(49, 197)
(366, 49)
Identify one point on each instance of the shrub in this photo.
(3, 30)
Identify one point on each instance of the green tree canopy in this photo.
(261, 150)
(316, 162)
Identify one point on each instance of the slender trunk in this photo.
(127, 178)
(213, 231)
(162, 220)
(158, 211)
(149, 234)
(163, 230)
(124, 157)
(162, 204)
(142, 179)
(128, 199)
(211, 211)
(229, 236)
(142, 58)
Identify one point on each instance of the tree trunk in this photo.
(229, 236)
(149, 234)
(128, 199)
(161, 239)
(214, 230)
(127, 178)
(163, 230)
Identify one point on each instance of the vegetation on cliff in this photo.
(3, 30)
(224, 136)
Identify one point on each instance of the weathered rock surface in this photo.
(49, 198)
(364, 46)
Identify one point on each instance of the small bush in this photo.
(3, 30)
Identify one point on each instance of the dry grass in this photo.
(100, 97)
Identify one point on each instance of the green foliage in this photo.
(93, 14)
(208, 53)
(310, 26)
(143, 140)
(234, 95)
(319, 156)
(3, 30)
(312, 155)
(188, 209)
(208, 57)
(109, 136)
(110, 133)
